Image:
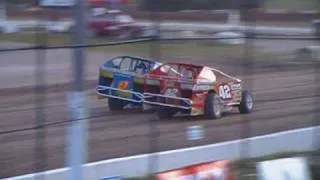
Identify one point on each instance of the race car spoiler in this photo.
(186, 101)
(136, 97)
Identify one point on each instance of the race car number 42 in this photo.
(224, 91)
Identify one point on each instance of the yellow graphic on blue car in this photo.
(124, 85)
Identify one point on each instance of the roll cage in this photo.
(130, 64)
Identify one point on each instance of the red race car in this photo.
(195, 90)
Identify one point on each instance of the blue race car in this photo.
(121, 80)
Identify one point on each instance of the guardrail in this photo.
(137, 166)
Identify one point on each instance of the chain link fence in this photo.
(36, 79)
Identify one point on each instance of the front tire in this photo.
(246, 104)
(115, 104)
(212, 107)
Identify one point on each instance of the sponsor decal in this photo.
(284, 169)
(217, 170)
(123, 85)
(199, 87)
(235, 86)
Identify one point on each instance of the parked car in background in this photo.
(115, 23)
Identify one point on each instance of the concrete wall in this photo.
(133, 166)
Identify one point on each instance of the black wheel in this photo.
(164, 112)
(246, 104)
(212, 105)
(115, 104)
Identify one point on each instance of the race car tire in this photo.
(212, 108)
(246, 104)
(115, 104)
(164, 112)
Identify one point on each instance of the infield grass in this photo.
(201, 49)
(291, 4)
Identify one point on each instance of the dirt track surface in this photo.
(283, 91)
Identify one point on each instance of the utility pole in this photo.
(78, 131)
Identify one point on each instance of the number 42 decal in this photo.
(225, 91)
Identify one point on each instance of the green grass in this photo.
(292, 4)
(202, 50)
(53, 39)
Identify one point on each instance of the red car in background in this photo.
(115, 23)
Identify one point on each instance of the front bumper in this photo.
(108, 92)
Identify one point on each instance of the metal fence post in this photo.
(155, 53)
(40, 92)
(315, 120)
(248, 69)
(78, 132)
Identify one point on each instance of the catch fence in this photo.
(117, 135)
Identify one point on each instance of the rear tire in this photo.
(212, 107)
(246, 104)
(115, 104)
